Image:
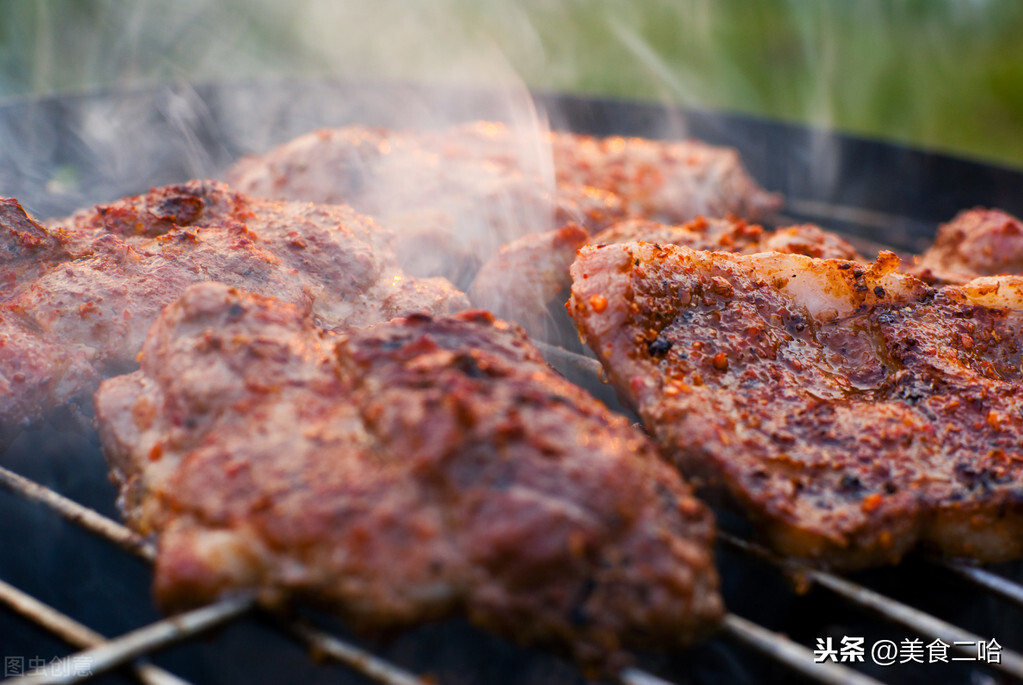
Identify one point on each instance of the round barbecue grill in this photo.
(75, 583)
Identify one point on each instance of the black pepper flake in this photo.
(879, 291)
(469, 365)
(845, 266)
(850, 483)
(659, 347)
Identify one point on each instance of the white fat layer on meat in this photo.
(829, 288)
(995, 291)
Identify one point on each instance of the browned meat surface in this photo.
(401, 473)
(672, 181)
(26, 248)
(526, 275)
(977, 242)
(808, 240)
(457, 194)
(35, 372)
(83, 297)
(700, 234)
(454, 196)
(732, 235)
(854, 413)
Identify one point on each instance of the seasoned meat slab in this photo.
(672, 181)
(457, 194)
(80, 298)
(977, 242)
(400, 473)
(453, 195)
(853, 412)
(527, 274)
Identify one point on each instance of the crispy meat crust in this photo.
(83, 296)
(457, 194)
(731, 234)
(672, 181)
(854, 413)
(977, 242)
(401, 473)
(37, 372)
(27, 248)
(454, 195)
(529, 273)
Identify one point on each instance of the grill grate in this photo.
(903, 214)
(101, 655)
(73, 632)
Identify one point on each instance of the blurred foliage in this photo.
(940, 74)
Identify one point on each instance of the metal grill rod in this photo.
(75, 633)
(775, 646)
(94, 522)
(987, 580)
(72, 511)
(794, 655)
(632, 676)
(374, 667)
(130, 646)
(750, 634)
(918, 621)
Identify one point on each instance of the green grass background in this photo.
(938, 74)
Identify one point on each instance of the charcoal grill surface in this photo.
(58, 154)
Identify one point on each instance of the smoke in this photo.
(868, 67)
(944, 74)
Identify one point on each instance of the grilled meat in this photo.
(853, 412)
(83, 297)
(732, 235)
(36, 372)
(805, 239)
(454, 196)
(978, 242)
(401, 473)
(526, 275)
(27, 248)
(459, 193)
(672, 181)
